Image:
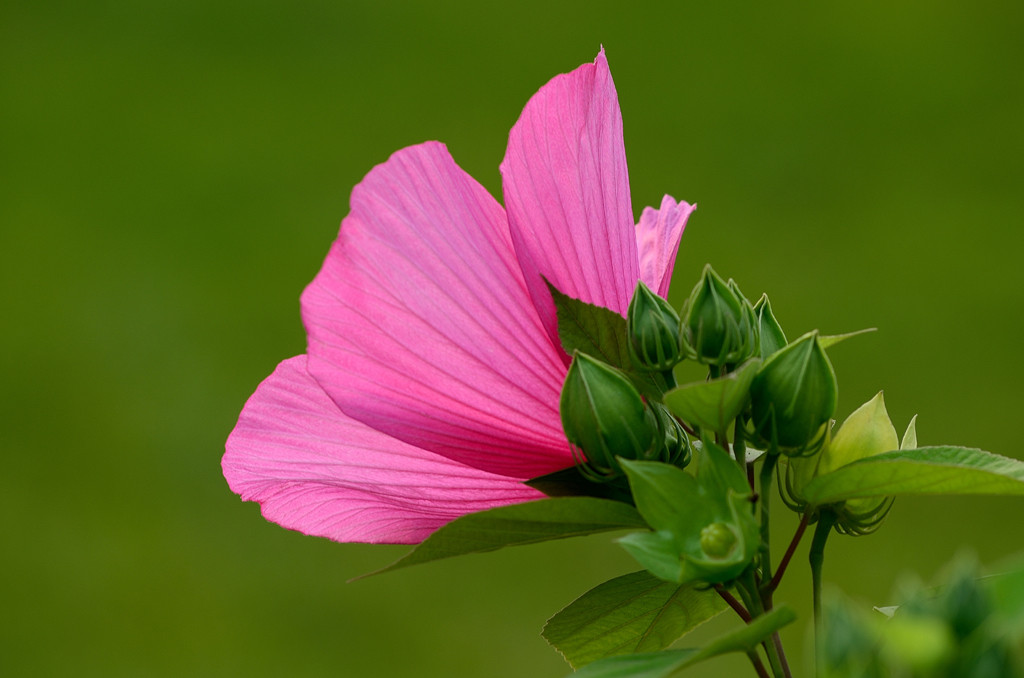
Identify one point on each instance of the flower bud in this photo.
(770, 333)
(717, 326)
(866, 432)
(675, 446)
(603, 414)
(653, 327)
(793, 397)
(718, 540)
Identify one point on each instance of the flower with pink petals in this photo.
(431, 382)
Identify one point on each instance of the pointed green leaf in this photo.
(670, 662)
(633, 613)
(600, 333)
(590, 329)
(830, 340)
(517, 524)
(922, 470)
(714, 404)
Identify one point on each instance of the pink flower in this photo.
(431, 383)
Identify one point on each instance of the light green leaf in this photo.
(714, 404)
(633, 613)
(830, 340)
(922, 470)
(518, 524)
(670, 662)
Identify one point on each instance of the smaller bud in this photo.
(793, 397)
(675, 447)
(718, 540)
(603, 414)
(653, 327)
(717, 326)
(770, 333)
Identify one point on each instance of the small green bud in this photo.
(653, 327)
(675, 446)
(718, 540)
(793, 397)
(717, 326)
(770, 333)
(603, 414)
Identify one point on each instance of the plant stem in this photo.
(762, 672)
(784, 563)
(747, 586)
(736, 605)
(767, 473)
(826, 519)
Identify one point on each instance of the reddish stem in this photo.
(736, 605)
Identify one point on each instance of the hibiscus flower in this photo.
(433, 370)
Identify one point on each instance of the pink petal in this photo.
(567, 193)
(420, 324)
(315, 470)
(657, 239)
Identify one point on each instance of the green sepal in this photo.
(517, 524)
(633, 613)
(771, 338)
(713, 405)
(670, 662)
(830, 340)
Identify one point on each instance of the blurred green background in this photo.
(173, 173)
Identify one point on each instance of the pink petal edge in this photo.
(314, 470)
(566, 191)
(657, 236)
(420, 324)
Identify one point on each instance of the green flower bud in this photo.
(603, 414)
(653, 327)
(718, 540)
(718, 322)
(866, 432)
(793, 397)
(770, 333)
(675, 446)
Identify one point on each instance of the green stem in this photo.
(826, 520)
(767, 474)
(748, 588)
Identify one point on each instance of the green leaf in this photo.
(600, 333)
(714, 404)
(632, 613)
(669, 662)
(517, 524)
(830, 340)
(590, 329)
(922, 470)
